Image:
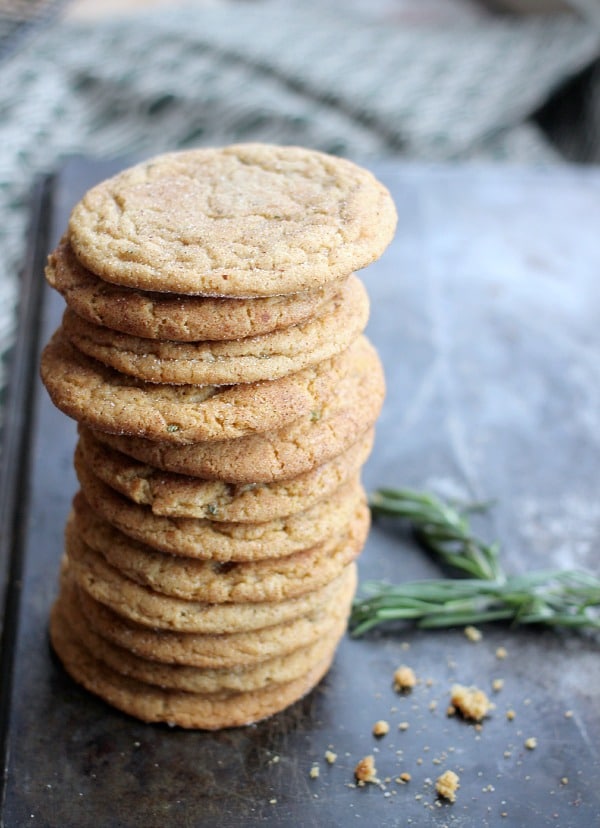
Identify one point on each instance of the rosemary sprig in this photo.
(566, 598)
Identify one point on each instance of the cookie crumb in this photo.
(403, 778)
(530, 743)
(564, 781)
(473, 634)
(404, 678)
(314, 772)
(497, 685)
(471, 702)
(568, 714)
(330, 757)
(510, 715)
(447, 784)
(403, 726)
(501, 653)
(380, 728)
(365, 770)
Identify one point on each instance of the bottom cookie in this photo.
(175, 707)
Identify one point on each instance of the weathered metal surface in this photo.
(486, 311)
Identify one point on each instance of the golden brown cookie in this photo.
(266, 357)
(149, 608)
(273, 671)
(107, 400)
(217, 651)
(335, 424)
(175, 707)
(175, 495)
(176, 316)
(219, 541)
(272, 579)
(245, 220)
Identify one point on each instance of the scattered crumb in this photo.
(501, 653)
(473, 634)
(404, 678)
(403, 726)
(510, 715)
(471, 702)
(275, 759)
(530, 743)
(564, 781)
(404, 778)
(447, 784)
(450, 710)
(419, 761)
(497, 685)
(314, 772)
(272, 801)
(330, 756)
(507, 754)
(380, 728)
(365, 771)
(433, 704)
(568, 714)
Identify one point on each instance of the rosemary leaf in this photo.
(566, 598)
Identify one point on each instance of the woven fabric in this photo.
(304, 73)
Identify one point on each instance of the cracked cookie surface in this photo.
(107, 400)
(244, 220)
(214, 650)
(335, 423)
(174, 495)
(272, 579)
(176, 316)
(253, 359)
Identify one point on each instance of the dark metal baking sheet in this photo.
(485, 310)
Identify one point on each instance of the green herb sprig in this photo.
(566, 598)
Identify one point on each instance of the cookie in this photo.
(144, 606)
(107, 400)
(274, 671)
(176, 316)
(272, 579)
(174, 707)
(244, 220)
(256, 358)
(219, 541)
(217, 651)
(175, 495)
(335, 424)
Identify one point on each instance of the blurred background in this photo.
(502, 81)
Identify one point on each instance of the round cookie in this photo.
(244, 220)
(224, 542)
(278, 670)
(273, 579)
(175, 495)
(256, 358)
(176, 316)
(144, 606)
(335, 424)
(217, 651)
(174, 707)
(107, 400)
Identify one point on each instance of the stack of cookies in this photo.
(212, 352)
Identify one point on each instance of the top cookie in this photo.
(245, 220)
